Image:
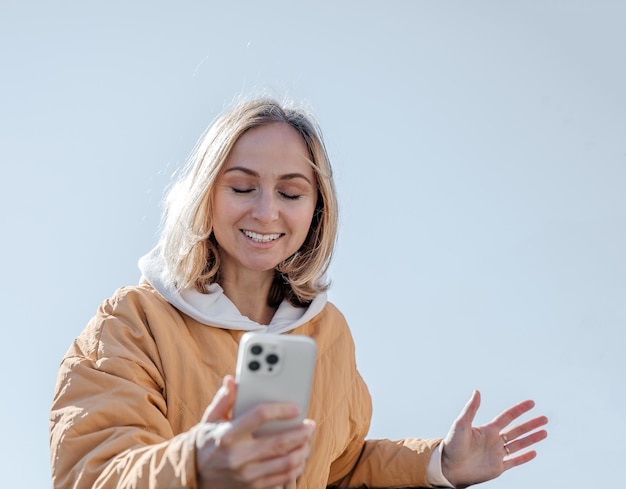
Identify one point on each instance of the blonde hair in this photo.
(187, 243)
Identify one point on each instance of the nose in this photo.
(265, 208)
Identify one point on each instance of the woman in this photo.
(249, 230)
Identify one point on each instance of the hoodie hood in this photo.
(214, 308)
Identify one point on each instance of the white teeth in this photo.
(261, 238)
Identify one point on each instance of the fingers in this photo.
(515, 441)
(522, 443)
(508, 416)
(273, 446)
(268, 461)
(244, 448)
(252, 420)
(285, 453)
(526, 427)
(279, 471)
(511, 462)
(280, 458)
(223, 402)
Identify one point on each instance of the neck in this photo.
(250, 296)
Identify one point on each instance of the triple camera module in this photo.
(271, 359)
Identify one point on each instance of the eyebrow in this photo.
(286, 176)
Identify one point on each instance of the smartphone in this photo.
(274, 368)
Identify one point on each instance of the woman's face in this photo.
(264, 200)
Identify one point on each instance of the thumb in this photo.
(469, 411)
(462, 425)
(223, 402)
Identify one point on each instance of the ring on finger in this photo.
(505, 440)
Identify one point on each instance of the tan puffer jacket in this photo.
(137, 380)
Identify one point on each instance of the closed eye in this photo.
(242, 190)
(288, 196)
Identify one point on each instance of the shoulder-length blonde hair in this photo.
(189, 248)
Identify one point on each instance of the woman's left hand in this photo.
(477, 454)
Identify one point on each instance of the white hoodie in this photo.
(214, 308)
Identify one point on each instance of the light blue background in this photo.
(480, 156)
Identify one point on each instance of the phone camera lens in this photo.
(254, 365)
(272, 359)
(256, 349)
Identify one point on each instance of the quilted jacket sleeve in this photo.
(386, 463)
(108, 426)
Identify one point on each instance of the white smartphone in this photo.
(274, 368)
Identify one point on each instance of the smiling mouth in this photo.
(261, 238)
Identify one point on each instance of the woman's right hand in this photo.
(228, 455)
